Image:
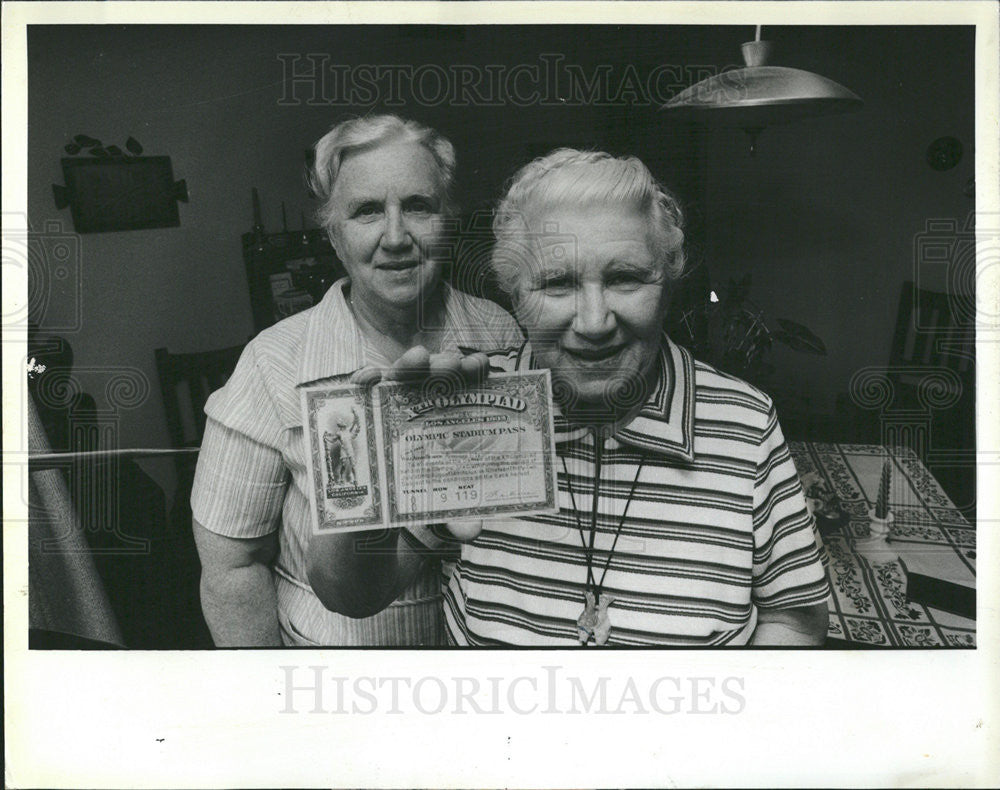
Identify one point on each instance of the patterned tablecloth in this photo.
(869, 603)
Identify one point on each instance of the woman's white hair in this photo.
(568, 177)
(360, 134)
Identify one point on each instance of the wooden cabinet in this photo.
(287, 272)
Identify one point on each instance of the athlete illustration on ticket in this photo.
(396, 454)
(344, 475)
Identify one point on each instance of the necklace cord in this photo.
(598, 457)
(579, 529)
(621, 523)
(588, 547)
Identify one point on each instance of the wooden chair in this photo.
(929, 334)
(186, 381)
(933, 347)
(928, 337)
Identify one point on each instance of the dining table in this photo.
(874, 582)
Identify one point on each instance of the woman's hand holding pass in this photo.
(418, 364)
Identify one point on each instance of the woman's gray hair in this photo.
(568, 177)
(358, 134)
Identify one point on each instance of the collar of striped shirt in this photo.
(665, 424)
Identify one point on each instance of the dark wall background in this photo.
(827, 214)
(824, 216)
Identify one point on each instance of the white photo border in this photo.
(224, 718)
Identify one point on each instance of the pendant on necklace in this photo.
(594, 621)
(603, 628)
(587, 620)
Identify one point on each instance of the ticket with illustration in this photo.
(396, 454)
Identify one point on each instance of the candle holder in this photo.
(880, 528)
(880, 518)
(879, 533)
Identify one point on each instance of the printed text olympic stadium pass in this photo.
(393, 455)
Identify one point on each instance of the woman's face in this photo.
(389, 205)
(592, 300)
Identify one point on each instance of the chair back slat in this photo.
(929, 334)
(200, 390)
(186, 381)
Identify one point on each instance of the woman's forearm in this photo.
(805, 626)
(241, 606)
(358, 574)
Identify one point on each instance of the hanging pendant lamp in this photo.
(760, 95)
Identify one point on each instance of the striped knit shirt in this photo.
(252, 478)
(716, 528)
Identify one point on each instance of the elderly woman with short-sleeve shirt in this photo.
(384, 186)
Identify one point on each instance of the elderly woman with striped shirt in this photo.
(682, 520)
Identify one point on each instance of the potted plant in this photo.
(728, 331)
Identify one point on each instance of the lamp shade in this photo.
(761, 95)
